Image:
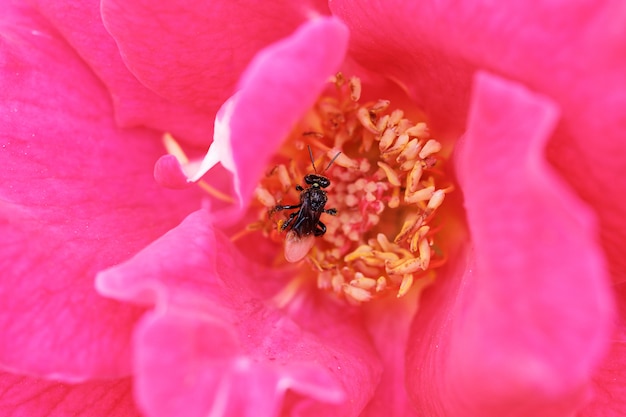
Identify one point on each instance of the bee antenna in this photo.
(311, 156)
(331, 162)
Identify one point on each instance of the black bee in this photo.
(306, 221)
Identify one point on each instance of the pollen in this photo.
(387, 183)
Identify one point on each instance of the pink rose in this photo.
(121, 297)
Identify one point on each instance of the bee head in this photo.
(316, 180)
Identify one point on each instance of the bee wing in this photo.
(296, 248)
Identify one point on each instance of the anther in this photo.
(404, 266)
(357, 294)
(395, 117)
(364, 117)
(391, 175)
(435, 201)
(283, 177)
(420, 131)
(382, 123)
(394, 200)
(386, 140)
(424, 194)
(409, 152)
(265, 197)
(398, 146)
(405, 285)
(361, 251)
(384, 243)
(414, 178)
(424, 252)
(355, 88)
(431, 147)
(412, 222)
(381, 105)
(361, 281)
(381, 284)
(344, 161)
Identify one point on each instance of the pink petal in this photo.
(24, 396)
(77, 196)
(186, 266)
(389, 37)
(530, 316)
(135, 105)
(192, 53)
(389, 322)
(278, 87)
(217, 339)
(203, 354)
(169, 173)
(540, 45)
(609, 383)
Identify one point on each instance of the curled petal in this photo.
(532, 311)
(538, 44)
(168, 172)
(222, 338)
(276, 89)
(192, 365)
(221, 149)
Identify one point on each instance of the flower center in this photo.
(371, 228)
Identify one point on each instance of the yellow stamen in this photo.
(215, 192)
(381, 105)
(357, 294)
(382, 123)
(363, 282)
(173, 148)
(391, 175)
(418, 237)
(386, 139)
(366, 252)
(364, 117)
(431, 147)
(395, 117)
(247, 230)
(355, 88)
(424, 194)
(435, 201)
(424, 252)
(405, 285)
(409, 152)
(414, 178)
(420, 131)
(397, 147)
(265, 197)
(404, 266)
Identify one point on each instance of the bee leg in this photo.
(332, 211)
(320, 229)
(298, 226)
(289, 220)
(299, 187)
(280, 208)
